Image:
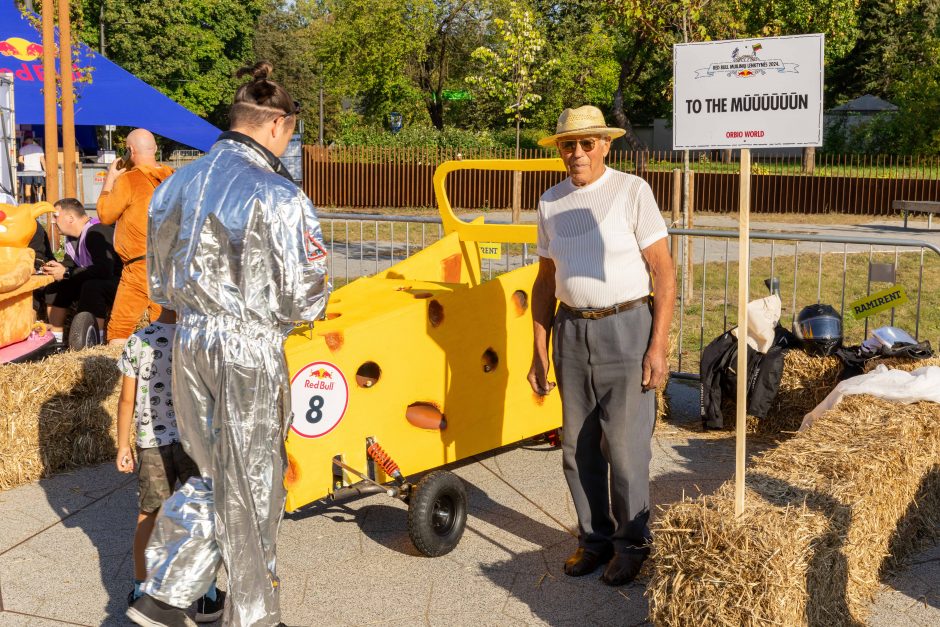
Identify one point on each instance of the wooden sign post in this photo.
(747, 93)
(744, 232)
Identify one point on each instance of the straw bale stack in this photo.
(805, 382)
(827, 513)
(901, 363)
(57, 414)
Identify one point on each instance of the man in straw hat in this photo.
(602, 248)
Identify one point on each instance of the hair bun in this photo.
(260, 71)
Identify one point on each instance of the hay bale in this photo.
(901, 363)
(57, 414)
(805, 382)
(827, 513)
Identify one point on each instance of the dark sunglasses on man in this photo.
(569, 145)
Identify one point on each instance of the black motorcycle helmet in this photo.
(819, 328)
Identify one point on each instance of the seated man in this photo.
(91, 271)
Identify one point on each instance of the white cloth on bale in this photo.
(763, 315)
(900, 386)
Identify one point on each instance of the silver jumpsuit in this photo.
(236, 250)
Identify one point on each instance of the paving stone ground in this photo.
(65, 549)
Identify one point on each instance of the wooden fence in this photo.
(377, 178)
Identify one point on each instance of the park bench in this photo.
(922, 206)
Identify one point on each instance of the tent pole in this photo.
(52, 129)
(68, 100)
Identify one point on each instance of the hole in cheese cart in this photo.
(426, 416)
(435, 313)
(521, 301)
(368, 374)
(489, 360)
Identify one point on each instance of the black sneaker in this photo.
(207, 610)
(150, 612)
(130, 598)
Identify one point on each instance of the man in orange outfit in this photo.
(124, 200)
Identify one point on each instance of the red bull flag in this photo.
(110, 96)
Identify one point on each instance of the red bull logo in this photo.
(24, 50)
(319, 379)
(21, 49)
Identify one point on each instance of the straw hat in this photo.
(586, 120)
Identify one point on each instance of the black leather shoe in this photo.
(624, 567)
(150, 612)
(585, 561)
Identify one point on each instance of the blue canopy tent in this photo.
(114, 96)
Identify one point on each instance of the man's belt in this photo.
(135, 260)
(597, 314)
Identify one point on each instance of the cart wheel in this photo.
(83, 332)
(437, 513)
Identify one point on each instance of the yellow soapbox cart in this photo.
(417, 367)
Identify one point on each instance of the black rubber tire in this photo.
(437, 513)
(83, 332)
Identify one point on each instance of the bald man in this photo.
(123, 202)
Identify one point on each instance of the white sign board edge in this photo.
(713, 82)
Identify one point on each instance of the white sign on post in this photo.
(748, 93)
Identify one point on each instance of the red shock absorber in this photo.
(380, 457)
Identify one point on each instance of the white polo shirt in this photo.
(595, 233)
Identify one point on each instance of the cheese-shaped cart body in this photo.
(417, 367)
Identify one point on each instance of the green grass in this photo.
(866, 169)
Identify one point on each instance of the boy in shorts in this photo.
(146, 398)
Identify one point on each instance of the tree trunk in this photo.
(517, 182)
(809, 159)
(620, 115)
(436, 111)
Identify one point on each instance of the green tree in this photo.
(510, 72)
(646, 31)
(188, 50)
(288, 35)
(459, 27)
(897, 57)
(368, 50)
(587, 68)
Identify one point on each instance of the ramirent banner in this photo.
(879, 301)
(748, 93)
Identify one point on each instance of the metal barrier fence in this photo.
(362, 177)
(808, 269)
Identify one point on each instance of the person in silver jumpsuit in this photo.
(236, 249)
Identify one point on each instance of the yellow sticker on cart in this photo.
(879, 301)
(491, 250)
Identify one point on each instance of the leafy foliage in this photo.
(526, 59)
(188, 50)
(510, 72)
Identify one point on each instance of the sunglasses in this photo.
(569, 145)
(296, 111)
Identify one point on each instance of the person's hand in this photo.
(117, 167)
(124, 460)
(655, 367)
(538, 377)
(54, 269)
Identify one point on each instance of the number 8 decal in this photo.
(319, 397)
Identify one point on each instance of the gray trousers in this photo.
(230, 397)
(608, 424)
